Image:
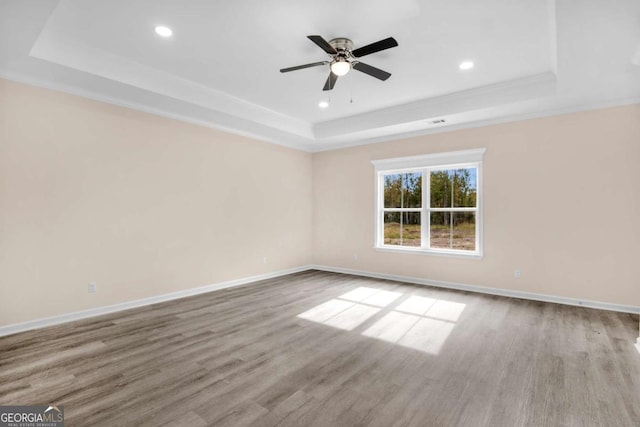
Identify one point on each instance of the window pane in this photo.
(402, 228)
(411, 229)
(453, 230)
(412, 190)
(454, 188)
(392, 228)
(403, 190)
(393, 191)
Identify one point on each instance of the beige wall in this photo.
(561, 203)
(143, 205)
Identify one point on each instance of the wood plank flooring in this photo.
(325, 349)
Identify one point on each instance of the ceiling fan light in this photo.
(163, 31)
(340, 68)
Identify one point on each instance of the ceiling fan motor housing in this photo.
(341, 44)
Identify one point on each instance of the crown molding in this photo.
(74, 54)
(421, 113)
(474, 124)
(280, 137)
(220, 121)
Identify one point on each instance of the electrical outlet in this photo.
(355, 257)
(516, 274)
(264, 259)
(92, 288)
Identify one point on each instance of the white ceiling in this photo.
(220, 68)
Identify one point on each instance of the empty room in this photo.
(337, 213)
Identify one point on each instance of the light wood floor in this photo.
(324, 349)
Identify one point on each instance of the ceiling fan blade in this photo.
(375, 47)
(324, 45)
(300, 67)
(372, 71)
(331, 82)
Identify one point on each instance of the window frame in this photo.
(426, 164)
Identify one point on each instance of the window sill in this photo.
(419, 251)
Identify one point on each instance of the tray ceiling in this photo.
(220, 67)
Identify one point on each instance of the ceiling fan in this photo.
(344, 58)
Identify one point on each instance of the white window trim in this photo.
(427, 163)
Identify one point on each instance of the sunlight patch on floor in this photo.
(427, 335)
(392, 326)
(325, 311)
(415, 322)
(382, 298)
(359, 294)
(416, 305)
(446, 310)
(352, 317)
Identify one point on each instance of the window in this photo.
(430, 204)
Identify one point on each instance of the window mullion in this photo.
(380, 213)
(453, 209)
(425, 217)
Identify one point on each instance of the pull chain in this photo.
(351, 88)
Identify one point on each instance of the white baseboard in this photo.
(485, 290)
(70, 317)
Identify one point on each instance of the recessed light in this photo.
(163, 31)
(323, 104)
(466, 65)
